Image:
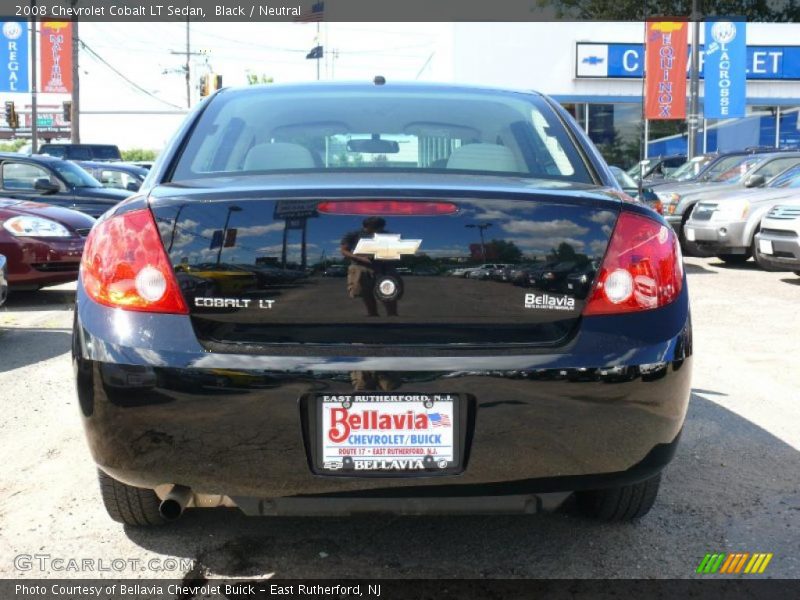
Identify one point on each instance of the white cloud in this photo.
(251, 231)
(556, 228)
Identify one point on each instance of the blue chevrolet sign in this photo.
(626, 61)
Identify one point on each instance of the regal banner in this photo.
(55, 63)
(14, 57)
(666, 52)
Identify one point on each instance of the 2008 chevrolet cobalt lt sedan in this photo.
(219, 363)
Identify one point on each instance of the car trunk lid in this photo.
(265, 270)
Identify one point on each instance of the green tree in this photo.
(255, 79)
(505, 251)
(12, 145)
(138, 154)
(779, 11)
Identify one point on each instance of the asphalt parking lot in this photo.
(734, 485)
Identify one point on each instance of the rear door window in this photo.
(22, 176)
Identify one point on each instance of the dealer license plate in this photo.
(765, 246)
(364, 433)
(690, 234)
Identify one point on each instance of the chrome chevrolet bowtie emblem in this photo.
(386, 246)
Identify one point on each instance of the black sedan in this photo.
(55, 181)
(337, 395)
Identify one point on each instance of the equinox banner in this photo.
(56, 60)
(666, 51)
(725, 69)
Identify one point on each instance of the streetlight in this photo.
(480, 229)
(231, 209)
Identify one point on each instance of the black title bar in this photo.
(392, 10)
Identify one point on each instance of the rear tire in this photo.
(733, 259)
(129, 505)
(624, 503)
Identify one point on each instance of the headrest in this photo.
(483, 157)
(277, 156)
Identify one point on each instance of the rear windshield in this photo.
(264, 131)
(105, 152)
(81, 152)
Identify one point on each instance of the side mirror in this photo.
(132, 186)
(755, 181)
(44, 185)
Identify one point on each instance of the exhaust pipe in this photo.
(174, 503)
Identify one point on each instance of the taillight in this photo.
(658, 207)
(642, 269)
(397, 208)
(124, 265)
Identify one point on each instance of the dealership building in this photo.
(595, 71)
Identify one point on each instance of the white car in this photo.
(778, 242)
(467, 271)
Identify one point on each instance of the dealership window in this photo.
(616, 130)
(578, 112)
(789, 127)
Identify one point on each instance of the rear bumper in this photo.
(159, 409)
(785, 254)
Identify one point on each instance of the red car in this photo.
(42, 243)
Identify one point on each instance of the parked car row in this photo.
(48, 204)
(735, 206)
(726, 223)
(558, 275)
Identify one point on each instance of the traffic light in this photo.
(204, 87)
(67, 107)
(12, 119)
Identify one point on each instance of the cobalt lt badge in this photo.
(388, 288)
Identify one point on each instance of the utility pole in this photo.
(34, 61)
(75, 117)
(317, 44)
(188, 66)
(694, 82)
(480, 227)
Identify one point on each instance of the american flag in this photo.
(439, 420)
(315, 13)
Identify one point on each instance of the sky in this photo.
(145, 53)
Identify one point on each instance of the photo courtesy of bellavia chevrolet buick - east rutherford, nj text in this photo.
(350, 299)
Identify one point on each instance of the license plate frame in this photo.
(765, 247)
(406, 464)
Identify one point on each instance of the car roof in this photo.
(113, 165)
(317, 86)
(70, 145)
(33, 157)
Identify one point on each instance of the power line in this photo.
(130, 82)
